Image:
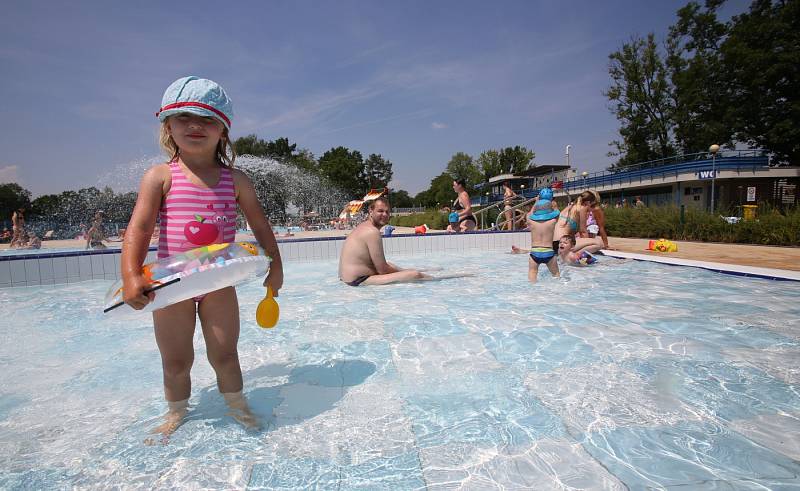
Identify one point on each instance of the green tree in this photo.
(343, 169)
(489, 164)
(377, 172)
(251, 145)
(279, 150)
(762, 58)
(305, 160)
(461, 166)
(516, 160)
(701, 85)
(13, 197)
(440, 192)
(47, 205)
(641, 100)
(400, 199)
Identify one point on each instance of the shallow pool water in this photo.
(621, 375)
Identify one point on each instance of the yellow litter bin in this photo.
(749, 212)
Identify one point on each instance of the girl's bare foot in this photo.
(240, 411)
(172, 420)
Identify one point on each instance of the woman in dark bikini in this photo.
(462, 206)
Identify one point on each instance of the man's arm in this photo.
(376, 255)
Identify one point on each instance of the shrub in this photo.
(770, 226)
(435, 219)
(432, 218)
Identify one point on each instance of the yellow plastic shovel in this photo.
(268, 311)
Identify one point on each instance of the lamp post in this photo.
(713, 149)
(522, 192)
(584, 174)
(566, 151)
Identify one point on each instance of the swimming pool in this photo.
(622, 374)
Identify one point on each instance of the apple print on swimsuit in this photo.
(205, 230)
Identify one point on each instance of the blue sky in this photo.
(413, 81)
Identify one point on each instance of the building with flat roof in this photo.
(737, 177)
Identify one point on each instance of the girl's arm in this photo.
(583, 215)
(600, 218)
(248, 202)
(154, 186)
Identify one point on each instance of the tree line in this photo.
(347, 170)
(729, 83)
(67, 210)
(350, 172)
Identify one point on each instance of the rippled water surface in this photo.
(621, 375)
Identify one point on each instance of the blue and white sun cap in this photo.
(197, 96)
(543, 209)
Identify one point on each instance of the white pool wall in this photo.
(71, 267)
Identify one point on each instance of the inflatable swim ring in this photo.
(585, 259)
(662, 245)
(194, 273)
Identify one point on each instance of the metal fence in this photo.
(738, 160)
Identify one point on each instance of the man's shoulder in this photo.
(364, 231)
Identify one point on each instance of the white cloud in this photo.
(9, 173)
(438, 126)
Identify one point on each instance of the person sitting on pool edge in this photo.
(576, 256)
(542, 223)
(363, 262)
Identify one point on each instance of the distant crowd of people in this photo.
(572, 236)
(20, 238)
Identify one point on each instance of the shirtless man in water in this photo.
(362, 261)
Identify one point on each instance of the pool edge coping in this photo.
(725, 268)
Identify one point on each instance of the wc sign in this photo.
(706, 174)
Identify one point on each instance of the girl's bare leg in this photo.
(219, 316)
(174, 330)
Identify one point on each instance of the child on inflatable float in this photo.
(195, 195)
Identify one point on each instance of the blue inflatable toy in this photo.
(453, 217)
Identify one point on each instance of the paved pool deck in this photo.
(787, 258)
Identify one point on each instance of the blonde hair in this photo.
(225, 154)
(592, 197)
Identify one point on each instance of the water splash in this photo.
(285, 190)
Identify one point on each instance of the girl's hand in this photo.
(274, 280)
(132, 292)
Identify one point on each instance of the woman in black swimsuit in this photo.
(462, 206)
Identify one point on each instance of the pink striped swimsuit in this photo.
(193, 216)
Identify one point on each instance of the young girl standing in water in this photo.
(198, 181)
